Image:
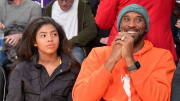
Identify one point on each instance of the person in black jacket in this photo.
(2, 84)
(175, 26)
(45, 70)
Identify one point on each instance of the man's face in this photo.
(65, 5)
(134, 24)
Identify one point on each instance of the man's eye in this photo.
(126, 19)
(138, 20)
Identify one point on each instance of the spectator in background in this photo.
(45, 70)
(77, 20)
(2, 84)
(175, 26)
(42, 3)
(14, 15)
(100, 39)
(160, 32)
(132, 69)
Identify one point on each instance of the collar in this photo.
(147, 46)
(65, 65)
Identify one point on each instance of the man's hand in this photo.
(13, 39)
(2, 26)
(104, 40)
(127, 47)
(122, 48)
(116, 54)
(178, 23)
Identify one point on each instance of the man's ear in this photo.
(146, 30)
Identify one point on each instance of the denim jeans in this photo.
(3, 57)
(78, 54)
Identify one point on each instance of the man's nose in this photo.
(132, 23)
(63, 2)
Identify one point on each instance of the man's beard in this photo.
(139, 38)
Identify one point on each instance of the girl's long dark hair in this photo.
(26, 49)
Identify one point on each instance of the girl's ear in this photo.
(35, 44)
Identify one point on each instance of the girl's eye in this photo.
(54, 34)
(43, 35)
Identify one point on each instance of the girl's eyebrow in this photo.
(54, 31)
(46, 32)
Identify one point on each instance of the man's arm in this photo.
(89, 31)
(106, 13)
(93, 79)
(36, 11)
(47, 9)
(157, 86)
(2, 26)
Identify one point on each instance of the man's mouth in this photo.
(131, 32)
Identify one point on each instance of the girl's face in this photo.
(47, 40)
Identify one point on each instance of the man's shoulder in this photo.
(32, 3)
(159, 54)
(151, 50)
(84, 1)
(102, 48)
(160, 50)
(103, 51)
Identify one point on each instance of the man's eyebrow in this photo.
(125, 16)
(140, 16)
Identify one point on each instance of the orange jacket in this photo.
(159, 34)
(152, 82)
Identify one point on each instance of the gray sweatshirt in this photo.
(21, 14)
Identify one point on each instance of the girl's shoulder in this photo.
(24, 65)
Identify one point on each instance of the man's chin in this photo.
(65, 9)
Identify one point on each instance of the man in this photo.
(17, 12)
(160, 32)
(176, 85)
(14, 15)
(132, 69)
(77, 20)
(2, 84)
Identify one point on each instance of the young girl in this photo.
(45, 70)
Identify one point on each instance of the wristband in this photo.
(135, 66)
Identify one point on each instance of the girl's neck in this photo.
(46, 59)
(50, 62)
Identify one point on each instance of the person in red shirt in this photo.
(131, 69)
(159, 11)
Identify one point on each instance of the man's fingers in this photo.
(9, 40)
(2, 26)
(15, 42)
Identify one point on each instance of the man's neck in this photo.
(139, 46)
(17, 2)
